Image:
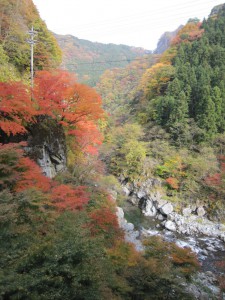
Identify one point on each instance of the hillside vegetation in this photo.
(163, 120)
(17, 18)
(88, 60)
(175, 127)
(60, 237)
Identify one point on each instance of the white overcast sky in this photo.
(137, 23)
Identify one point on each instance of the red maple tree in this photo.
(16, 107)
(65, 197)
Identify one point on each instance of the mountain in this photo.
(165, 40)
(90, 59)
(17, 18)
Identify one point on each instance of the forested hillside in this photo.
(64, 161)
(176, 117)
(88, 60)
(17, 18)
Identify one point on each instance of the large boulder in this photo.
(149, 210)
(166, 209)
(170, 225)
(160, 202)
(201, 211)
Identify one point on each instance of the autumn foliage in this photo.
(61, 97)
(190, 32)
(65, 197)
(104, 221)
(18, 172)
(16, 108)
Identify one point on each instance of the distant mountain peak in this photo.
(165, 40)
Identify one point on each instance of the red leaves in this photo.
(77, 107)
(16, 107)
(103, 220)
(65, 197)
(59, 96)
(217, 180)
(30, 175)
(214, 180)
(50, 90)
(88, 137)
(18, 172)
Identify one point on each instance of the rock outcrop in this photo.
(47, 146)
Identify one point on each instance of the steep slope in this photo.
(118, 86)
(174, 128)
(89, 60)
(165, 40)
(17, 18)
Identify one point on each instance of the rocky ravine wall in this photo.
(47, 146)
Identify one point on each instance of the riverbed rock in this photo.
(186, 211)
(141, 194)
(134, 200)
(126, 191)
(201, 211)
(130, 234)
(160, 217)
(170, 225)
(149, 210)
(166, 209)
(160, 202)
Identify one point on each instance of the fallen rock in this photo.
(166, 209)
(149, 210)
(141, 194)
(201, 211)
(126, 191)
(170, 225)
(160, 202)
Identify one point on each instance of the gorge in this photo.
(114, 191)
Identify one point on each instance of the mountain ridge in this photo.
(90, 59)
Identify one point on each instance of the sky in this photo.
(138, 23)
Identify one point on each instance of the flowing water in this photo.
(209, 250)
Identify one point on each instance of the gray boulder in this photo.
(200, 211)
(149, 210)
(170, 225)
(166, 209)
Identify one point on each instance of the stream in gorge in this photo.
(209, 250)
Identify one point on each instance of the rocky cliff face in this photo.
(47, 146)
(165, 40)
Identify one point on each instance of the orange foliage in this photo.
(190, 32)
(173, 183)
(16, 108)
(123, 254)
(88, 137)
(65, 197)
(76, 106)
(59, 96)
(19, 172)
